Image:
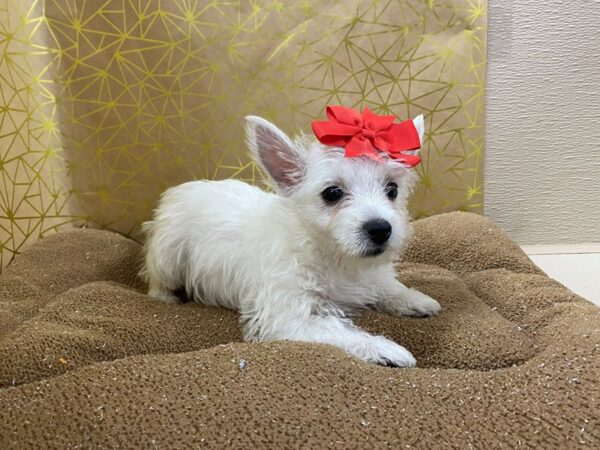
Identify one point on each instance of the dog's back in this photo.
(207, 236)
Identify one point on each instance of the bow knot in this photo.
(368, 134)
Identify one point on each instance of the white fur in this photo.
(292, 265)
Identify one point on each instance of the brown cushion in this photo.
(86, 358)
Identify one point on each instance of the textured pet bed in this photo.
(87, 360)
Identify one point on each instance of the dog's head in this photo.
(352, 206)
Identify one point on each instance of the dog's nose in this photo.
(379, 230)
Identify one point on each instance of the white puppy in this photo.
(298, 262)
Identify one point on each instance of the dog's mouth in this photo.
(373, 251)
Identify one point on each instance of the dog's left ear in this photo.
(275, 152)
(419, 123)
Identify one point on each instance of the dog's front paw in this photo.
(422, 305)
(413, 303)
(380, 350)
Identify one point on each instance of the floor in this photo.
(575, 266)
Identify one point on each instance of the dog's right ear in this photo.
(275, 153)
(419, 123)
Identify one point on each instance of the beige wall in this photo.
(542, 163)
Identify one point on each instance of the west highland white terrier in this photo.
(299, 262)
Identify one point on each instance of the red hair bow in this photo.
(365, 133)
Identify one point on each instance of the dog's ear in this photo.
(275, 152)
(419, 123)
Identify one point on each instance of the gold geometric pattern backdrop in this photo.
(106, 103)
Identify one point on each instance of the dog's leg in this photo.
(160, 269)
(343, 334)
(336, 331)
(396, 299)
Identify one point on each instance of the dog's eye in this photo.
(391, 190)
(332, 194)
